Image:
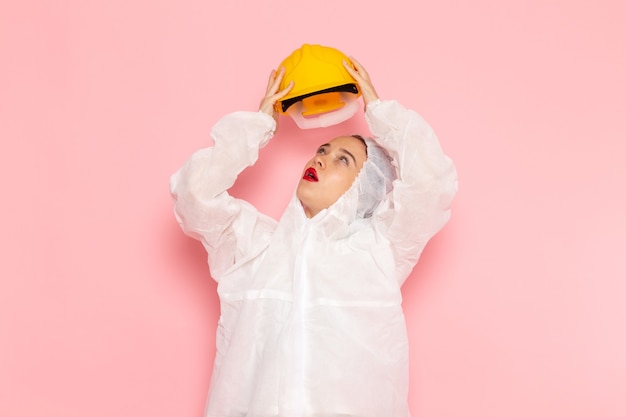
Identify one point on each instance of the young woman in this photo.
(311, 319)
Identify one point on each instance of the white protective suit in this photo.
(311, 320)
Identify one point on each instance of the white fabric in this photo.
(376, 179)
(311, 320)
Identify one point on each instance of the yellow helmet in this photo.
(320, 81)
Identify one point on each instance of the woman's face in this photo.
(330, 173)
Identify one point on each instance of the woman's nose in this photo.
(319, 161)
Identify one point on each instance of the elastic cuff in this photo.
(372, 104)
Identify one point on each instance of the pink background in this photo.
(518, 308)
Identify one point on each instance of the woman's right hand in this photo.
(273, 94)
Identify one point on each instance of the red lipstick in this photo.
(310, 175)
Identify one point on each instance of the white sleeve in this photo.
(419, 205)
(231, 230)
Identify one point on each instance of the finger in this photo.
(353, 72)
(270, 80)
(357, 64)
(267, 104)
(278, 78)
(360, 69)
(282, 93)
(273, 82)
(348, 66)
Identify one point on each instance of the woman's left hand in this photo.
(273, 94)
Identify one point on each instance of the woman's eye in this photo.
(344, 160)
(321, 151)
